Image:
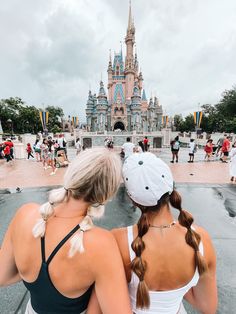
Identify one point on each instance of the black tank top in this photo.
(45, 298)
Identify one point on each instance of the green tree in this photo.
(55, 118)
(188, 124)
(227, 105)
(9, 110)
(178, 120)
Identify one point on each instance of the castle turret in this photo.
(89, 111)
(102, 105)
(136, 108)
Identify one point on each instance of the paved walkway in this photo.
(29, 173)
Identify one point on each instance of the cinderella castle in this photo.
(125, 106)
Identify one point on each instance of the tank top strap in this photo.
(57, 248)
(130, 240)
(43, 249)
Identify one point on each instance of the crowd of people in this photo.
(51, 152)
(71, 266)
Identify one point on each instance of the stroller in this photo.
(60, 159)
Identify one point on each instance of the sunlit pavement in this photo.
(206, 190)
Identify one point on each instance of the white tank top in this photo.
(161, 302)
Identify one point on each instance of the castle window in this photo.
(117, 70)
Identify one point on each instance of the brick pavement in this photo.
(24, 173)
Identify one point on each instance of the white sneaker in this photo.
(52, 173)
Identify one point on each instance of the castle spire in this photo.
(130, 17)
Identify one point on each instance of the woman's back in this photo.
(164, 259)
(29, 258)
(56, 250)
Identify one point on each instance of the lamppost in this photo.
(10, 123)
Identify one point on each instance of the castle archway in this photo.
(119, 125)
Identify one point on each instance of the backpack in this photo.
(176, 145)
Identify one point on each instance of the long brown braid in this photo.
(192, 237)
(139, 266)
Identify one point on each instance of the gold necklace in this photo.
(55, 215)
(164, 226)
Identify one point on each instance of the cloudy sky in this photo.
(53, 51)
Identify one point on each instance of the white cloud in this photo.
(53, 50)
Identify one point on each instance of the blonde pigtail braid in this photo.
(96, 211)
(47, 209)
(192, 237)
(138, 265)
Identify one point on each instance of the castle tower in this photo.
(129, 60)
(125, 107)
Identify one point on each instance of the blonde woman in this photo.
(165, 260)
(58, 252)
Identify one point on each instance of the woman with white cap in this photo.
(56, 250)
(165, 260)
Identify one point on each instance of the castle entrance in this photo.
(119, 125)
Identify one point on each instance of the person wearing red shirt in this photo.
(29, 151)
(11, 145)
(145, 143)
(208, 149)
(7, 153)
(225, 148)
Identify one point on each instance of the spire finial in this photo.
(130, 16)
(110, 55)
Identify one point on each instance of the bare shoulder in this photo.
(99, 239)
(119, 233)
(25, 211)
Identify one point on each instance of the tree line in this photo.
(18, 117)
(220, 117)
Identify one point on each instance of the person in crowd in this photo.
(146, 144)
(140, 143)
(192, 149)
(7, 153)
(11, 145)
(37, 150)
(165, 260)
(1, 150)
(225, 149)
(175, 145)
(110, 143)
(51, 156)
(128, 148)
(219, 145)
(59, 254)
(62, 143)
(78, 146)
(29, 151)
(44, 153)
(232, 166)
(208, 149)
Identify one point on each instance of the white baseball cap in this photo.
(147, 178)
